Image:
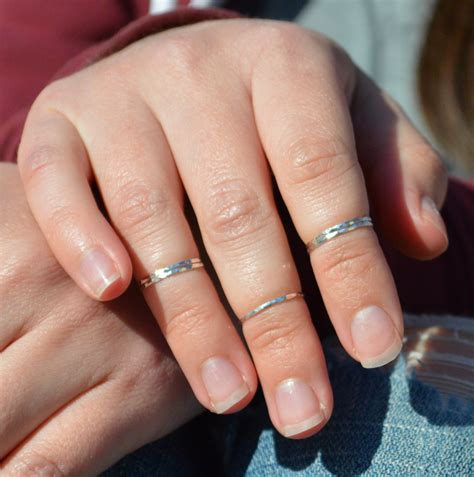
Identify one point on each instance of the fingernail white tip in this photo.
(429, 204)
(106, 284)
(295, 429)
(386, 357)
(433, 215)
(231, 401)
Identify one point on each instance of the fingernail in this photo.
(431, 213)
(376, 341)
(99, 271)
(224, 384)
(298, 407)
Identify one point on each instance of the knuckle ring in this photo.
(162, 273)
(269, 303)
(338, 229)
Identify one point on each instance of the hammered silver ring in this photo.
(269, 303)
(162, 273)
(338, 229)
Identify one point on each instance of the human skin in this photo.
(82, 383)
(200, 109)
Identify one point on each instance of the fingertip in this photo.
(431, 216)
(415, 226)
(227, 386)
(113, 289)
(235, 402)
(431, 229)
(105, 275)
(301, 410)
(309, 427)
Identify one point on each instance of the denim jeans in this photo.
(412, 418)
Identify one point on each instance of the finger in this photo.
(87, 436)
(29, 377)
(306, 130)
(406, 179)
(55, 169)
(145, 203)
(229, 186)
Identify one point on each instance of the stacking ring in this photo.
(268, 304)
(338, 229)
(179, 267)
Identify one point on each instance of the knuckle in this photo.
(186, 319)
(33, 464)
(180, 56)
(309, 161)
(288, 42)
(43, 160)
(272, 337)
(235, 211)
(283, 37)
(138, 208)
(54, 92)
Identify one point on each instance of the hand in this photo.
(207, 105)
(82, 383)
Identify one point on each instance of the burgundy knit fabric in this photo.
(42, 41)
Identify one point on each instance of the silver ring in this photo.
(268, 304)
(179, 267)
(338, 229)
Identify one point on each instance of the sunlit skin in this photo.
(213, 110)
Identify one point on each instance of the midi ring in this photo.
(338, 229)
(179, 267)
(268, 304)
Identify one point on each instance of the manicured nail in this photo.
(376, 341)
(99, 270)
(431, 213)
(224, 384)
(298, 407)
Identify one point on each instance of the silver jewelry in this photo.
(268, 304)
(179, 267)
(338, 229)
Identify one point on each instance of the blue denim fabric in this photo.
(386, 422)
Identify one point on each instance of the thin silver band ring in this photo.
(338, 229)
(162, 273)
(268, 304)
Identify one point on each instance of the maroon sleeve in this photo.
(44, 40)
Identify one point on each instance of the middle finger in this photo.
(229, 185)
